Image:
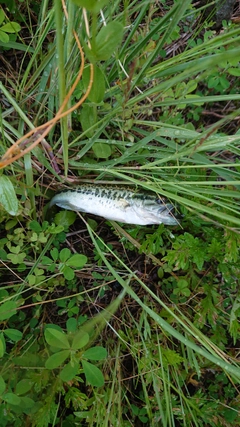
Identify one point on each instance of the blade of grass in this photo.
(61, 78)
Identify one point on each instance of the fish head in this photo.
(156, 211)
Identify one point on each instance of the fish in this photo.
(117, 204)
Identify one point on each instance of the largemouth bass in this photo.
(117, 204)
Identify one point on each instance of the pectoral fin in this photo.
(123, 204)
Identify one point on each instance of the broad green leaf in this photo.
(13, 334)
(53, 326)
(68, 272)
(65, 218)
(182, 283)
(71, 325)
(12, 398)
(2, 16)
(97, 91)
(64, 254)
(23, 386)
(8, 198)
(53, 229)
(95, 353)
(16, 258)
(102, 150)
(3, 255)
(69, 371)
(77, 260)
(46, 261)
(54, 254)
(57, 359)
(91, 5)
(35, 226)
(191, 86)
(15, 249)
(234, 71)
(4, 38)
(107, 40)
(88, 118)
(2, 345)
(11, 27)
(80, 340)
(2, 385)
(7, 310)
(56, 338)
(27, 403)
(93, 375)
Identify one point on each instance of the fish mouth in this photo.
(160, 211)
(170, 214)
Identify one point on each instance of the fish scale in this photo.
(117, 204)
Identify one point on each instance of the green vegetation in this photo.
(105, 324)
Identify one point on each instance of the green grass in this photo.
(104, 324)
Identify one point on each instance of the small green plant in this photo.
(140, 413)
(68, 360)
(64, 262)
(70, 346)
(7, 29)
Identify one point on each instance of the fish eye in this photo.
(160, 201)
